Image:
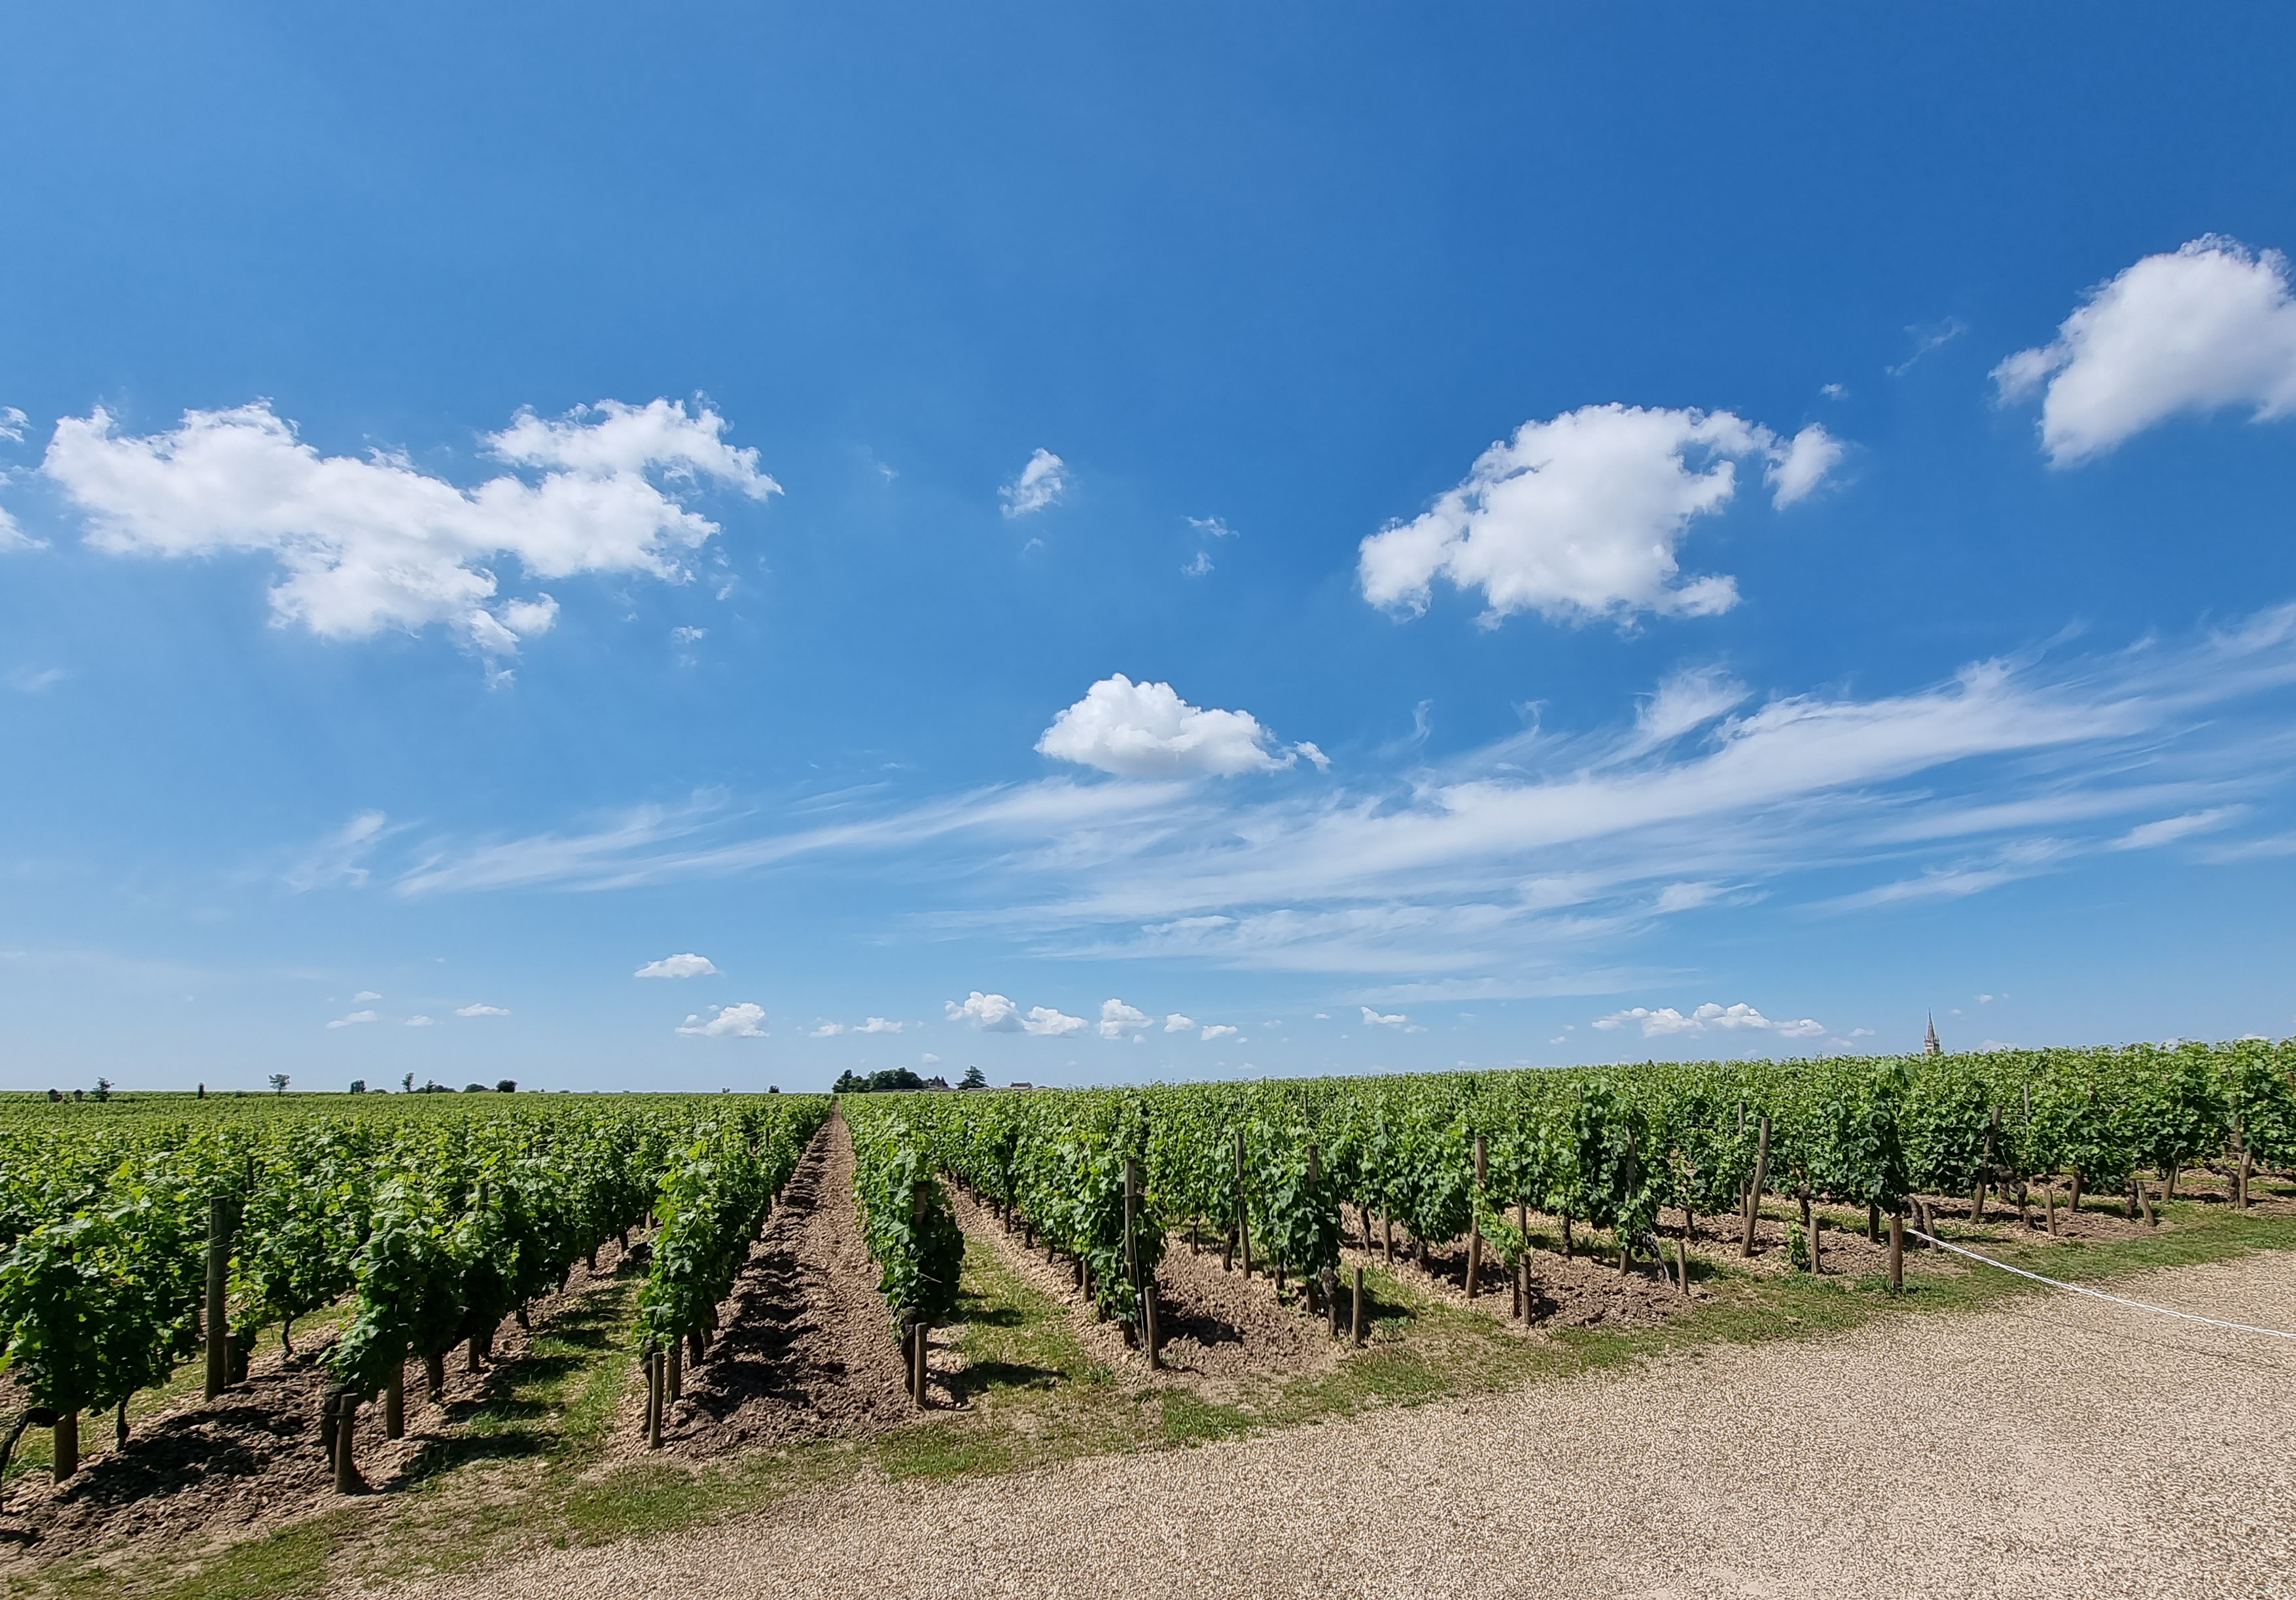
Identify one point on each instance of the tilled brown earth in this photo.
(1217, 1325)
(250, 1462)
(2058, 1447)
(805, 1347)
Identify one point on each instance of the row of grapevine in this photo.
(1271, 1165)
(716, 1190)
(435, 1221)
(909, 1226)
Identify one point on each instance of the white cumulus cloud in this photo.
(1146, 731)
(1709, 1017)
(1217, 1030)
(685, 966)
(878, 1025)
(1047, 1023)
(746, 1020)
(2197, 330)
(1392, 1019)
(355, 1018)
(1040, 484)
(370, 542)
(1121, 1021)
(1579, 517)
(990, 1013)
(1174, 1023)
(419, 1021)
(366, 994)
(480, 1008)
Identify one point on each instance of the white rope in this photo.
(2163, 1311)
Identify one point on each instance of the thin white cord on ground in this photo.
(2163, 1311)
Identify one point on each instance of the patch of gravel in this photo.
(2056, 1447)
(805, 1346)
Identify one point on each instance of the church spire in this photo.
(1929, 1046)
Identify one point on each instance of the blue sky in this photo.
(1144, 546)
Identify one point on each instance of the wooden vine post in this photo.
(217, 1313)
(1475, 1222)
(394, 1399)
(1754, 1191)
(920, 1338)
(654, 1376)
(1131, 1216)
(1520, 1278)
(1898, 1250)
(1985, 1170)
(1354, 1318)
(1626, 1246)
(1243, 1211)
(346, 1478)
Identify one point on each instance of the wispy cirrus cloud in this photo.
(1532, 865)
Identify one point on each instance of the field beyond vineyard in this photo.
(444, 1334)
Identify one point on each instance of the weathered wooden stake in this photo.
(346, 1477)
(2247, 1160)
(1754, 1191)
(1682, 1260)
(1815, 1223)
(675, 1356)
(1897, 1251)
(218, 1300)
(1354, 1316)
(1243, 1211)
(921, 1347)
(1475, 1224)
(67, 1444)
(2049, 1195)
(1517, 1279)
(654, 1384)
(1387, 1232)
(1155, 1334)
(1873, 1223)
(1131, 1213)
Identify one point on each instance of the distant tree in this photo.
(772, 1089)
(79, 1094)
(406, 1084)
(279, 1083)
(203, 1092)
(474, 1089)
(103, 1089)
(891, 1080)
(55, 1094)
(508, 1086)
(975, 1078)
(358, 1086)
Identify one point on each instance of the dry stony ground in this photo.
(2056, 1447)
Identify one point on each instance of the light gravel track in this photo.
(2056, 1447)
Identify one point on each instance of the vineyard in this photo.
(784, 1269)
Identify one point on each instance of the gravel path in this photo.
(2059, 1447)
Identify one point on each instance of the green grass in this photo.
(535, 1464)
